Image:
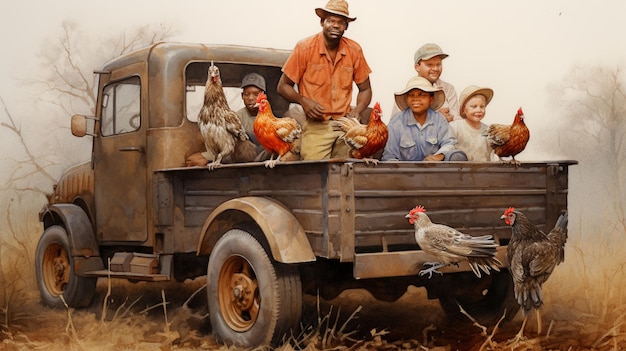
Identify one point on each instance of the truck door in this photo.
(120, 164)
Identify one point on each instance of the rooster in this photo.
(276, 135)
(508, 140)
(449, 246)
(220, 127)
(532, 256)
(363, 140)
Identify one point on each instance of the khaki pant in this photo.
(320, 142)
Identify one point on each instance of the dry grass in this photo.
(585, 309)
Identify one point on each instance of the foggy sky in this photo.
(517, 48)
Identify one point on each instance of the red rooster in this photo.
(363, 140)
(532, 256)
(508, 140)
(276, 135)
(220, 126)
(449, 246)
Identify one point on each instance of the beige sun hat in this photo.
(335, 7)
(422, 84)
(428, 51)
(471, 91)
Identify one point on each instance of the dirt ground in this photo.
(135, 319)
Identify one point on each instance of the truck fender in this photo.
(286, 237)
(78, 226)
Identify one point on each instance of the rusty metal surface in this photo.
(74, 183)
(349, 209)
(404, 263)
(138, 193)
(124, 163)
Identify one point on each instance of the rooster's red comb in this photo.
(509, 210)
(261, 97)
(520, 112)
(418, 208)
(377, 107)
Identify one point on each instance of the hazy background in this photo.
(562, 61)
(526, 51)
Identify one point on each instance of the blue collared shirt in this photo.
(410, 141)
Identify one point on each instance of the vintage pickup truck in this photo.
(263, 237)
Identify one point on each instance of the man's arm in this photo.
(311, 108)
(363, 98)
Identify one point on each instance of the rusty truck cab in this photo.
(148, 102)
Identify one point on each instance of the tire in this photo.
(486, 299)
(252, 299)
(55, 274)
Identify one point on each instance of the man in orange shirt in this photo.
(324, 66)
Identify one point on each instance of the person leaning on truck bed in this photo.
(418, 132)
(324, 66)
(469, 130)
(252, 85)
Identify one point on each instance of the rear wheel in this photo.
(54, 268)
(252, 299)
(486, 299)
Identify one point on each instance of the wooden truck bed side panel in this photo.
(350, 208)
(467, 196)
(304, 187)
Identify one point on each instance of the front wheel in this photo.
(54, 269)
(486, 299)
(252, 299)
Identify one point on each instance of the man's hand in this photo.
(196, 159)
(354, 114)
(445, 111)
(313, 110)
(436, 157)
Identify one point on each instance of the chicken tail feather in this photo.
(343, 124)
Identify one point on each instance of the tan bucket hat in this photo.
(428, 51)
(474, 90)
(422, 84)
(335, 7)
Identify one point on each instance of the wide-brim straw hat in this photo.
(335, 7)
(471, 91)
(422, 84)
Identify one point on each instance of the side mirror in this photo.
(79, 125)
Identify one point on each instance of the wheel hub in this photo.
(56, 268)
(243, 291)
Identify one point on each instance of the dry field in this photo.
(585, 309)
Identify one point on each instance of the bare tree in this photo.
(69, 62)
(594, 111)
(67, 82)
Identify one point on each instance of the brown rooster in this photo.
(508, 140)
(276, 135)
(220, 126)
(449, 246)
(363, 140)
(532, 256)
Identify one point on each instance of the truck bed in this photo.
(354, 212)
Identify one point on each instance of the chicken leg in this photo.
(216, 163)
(434, 266)
(519, 336)
(271, 163)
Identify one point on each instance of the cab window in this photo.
(121, 107)
(196, 76)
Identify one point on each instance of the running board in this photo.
(136, 266)
(128, 275)
(403, 263)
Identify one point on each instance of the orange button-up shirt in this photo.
(318, 78)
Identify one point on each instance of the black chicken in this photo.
(532, 256)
